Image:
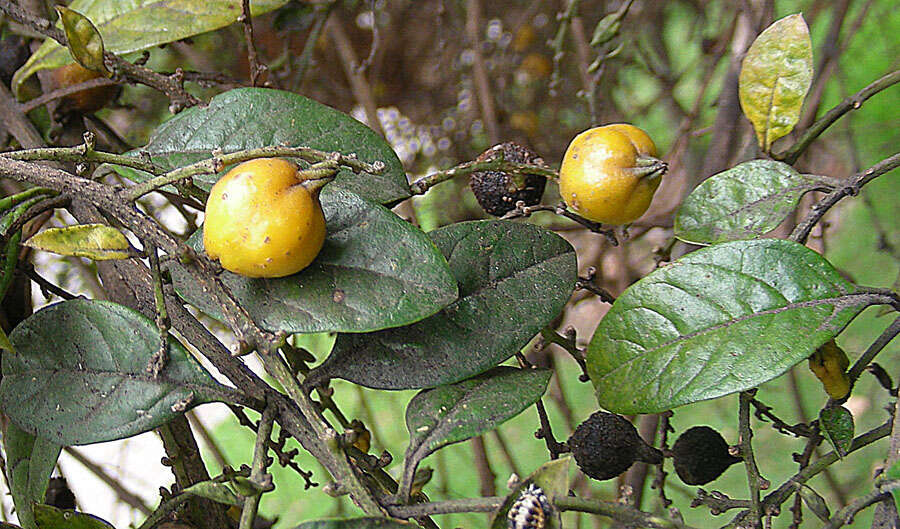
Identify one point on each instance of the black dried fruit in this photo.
(59, 495)
(606, 444)
(701, 455)
(497, 191)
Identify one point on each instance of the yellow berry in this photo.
(829, 363)
(609, 174)
(263, 221)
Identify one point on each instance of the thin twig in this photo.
(47, 288)
(561, 209)
(846, 514)
(43, 99)
(122, 493)
(261, 461)
(420, 186)
(851, 187)
(161, 356)
(753, 478)
(172, 86)
(866, 358)
(218, 161)
(853, 102)
(252, 58)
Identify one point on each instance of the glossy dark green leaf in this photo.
(553, 480)
(356, 523)
(449, 414)
(80, 374)
(49, 517)
(743, 202)
(775, 76)
(719, 320)
(837, 425)
(247, 118)
(30, 461)
(375, 271)
(84, 41)
(93, 241)
(137, 25)
(513, 280)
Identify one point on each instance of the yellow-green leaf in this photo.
(85, 42)
(775, 76)
(5, 344)
(94, 241)
(137, 25)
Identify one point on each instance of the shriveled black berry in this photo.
(606, 444)
(59, 495)
(497, 191)
(701, 455)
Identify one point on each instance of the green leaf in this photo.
(719, 320)
(356, 523)
(247, 118)
(837, 425)
(743, 202)
(141, 24)
(94, 241)
(375, 271)
(80, 374)
(49, 517)
(513, 278)
(450, 414)
(775, 76)
(16, 206)
(219, 492)
(84, 41)
(552, 478)
(814, 501)
(5, 344)
(30, 461)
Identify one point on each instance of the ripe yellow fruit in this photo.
(829, 363)
(609, 173)
(262, 220)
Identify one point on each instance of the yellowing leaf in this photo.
(775, 76)
(85, 42)
(94, 241)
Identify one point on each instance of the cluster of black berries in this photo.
(606, 445)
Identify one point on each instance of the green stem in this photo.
(258, 468)
(219, 161)
(617, 511)
(425, 183)
(82, 153)
(753, 478)
(18, 198)
(326, 436)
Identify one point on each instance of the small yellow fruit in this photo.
(829, 363)
(263, 221)
(609, 173)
